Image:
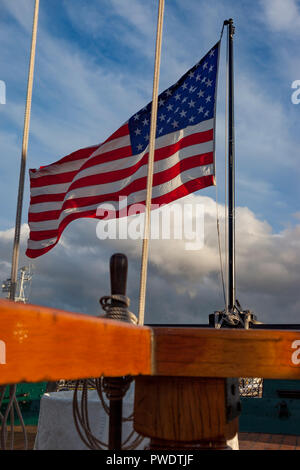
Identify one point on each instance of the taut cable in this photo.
(13, 403)
(145, 249)
(15, 257)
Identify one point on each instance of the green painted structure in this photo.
(277, 412)
(28, 396)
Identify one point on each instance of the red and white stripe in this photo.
(76, 185)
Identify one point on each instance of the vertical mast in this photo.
(231, 171)
(15, 256)
(233, 316)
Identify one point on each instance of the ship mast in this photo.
(233, 315)
(231, 171)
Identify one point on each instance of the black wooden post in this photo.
(118, 279)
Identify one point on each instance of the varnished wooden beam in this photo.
(40, 343)
(273, 354)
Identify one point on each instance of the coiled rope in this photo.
(118, 312)
(81, 414)
(115, 388)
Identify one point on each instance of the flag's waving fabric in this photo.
(76, 185)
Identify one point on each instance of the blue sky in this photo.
(94, 68)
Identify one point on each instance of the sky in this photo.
(94, 69)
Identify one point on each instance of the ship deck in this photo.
(247, 441)
(259, 441)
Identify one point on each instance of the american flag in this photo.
(76, 185)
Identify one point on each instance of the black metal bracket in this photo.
(234, 319)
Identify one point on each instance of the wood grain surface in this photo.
(40, 343)
(273, 354)
(46, 344)
(182, 409)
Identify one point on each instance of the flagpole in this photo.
(16, 246)
(231, 171)
(145, 249)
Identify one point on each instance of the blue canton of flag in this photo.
(188, 102)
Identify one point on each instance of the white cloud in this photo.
(80, 97)
(263, 126)
(282, 15)
(183, 286)
(22, 11)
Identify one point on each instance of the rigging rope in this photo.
(13, 403)
(145, 248)
(9, 413)
(81, 413)
(15, 257)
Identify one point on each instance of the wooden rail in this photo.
(47, 344)
(206, 352)
(39, 343)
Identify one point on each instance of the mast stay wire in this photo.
(224, 284)
(219, 247)
(226, 175)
